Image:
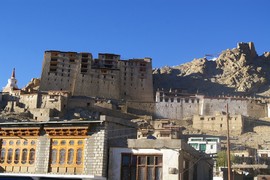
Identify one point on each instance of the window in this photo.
(202, 147)
(18, 152)
(141, 167)
(3, 155)
(66, 153)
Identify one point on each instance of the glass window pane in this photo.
(158, 173)
(70, 156)
(11, 142)
(3, 142)
(71, 142)
(25, 142)
(24, 156)
(3, 155)
(79, 156)
(141, 160)
(17, 156)
(31, 156)
(202, 147)
(150, 160)
(33, 142)
(150, 173)
(9, 156)
(141, 173)
(63, 142)
(18, 142)
(54, 156)
(62, 156)
(159, 160)
(80, 142)
(55, 142)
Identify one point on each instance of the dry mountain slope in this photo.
(238, 71)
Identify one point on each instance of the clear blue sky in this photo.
(172, 32)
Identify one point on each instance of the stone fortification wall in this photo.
(212, 106)
(141, 108)
(178, 108)
(257, 109)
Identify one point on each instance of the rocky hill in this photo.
(238, 71)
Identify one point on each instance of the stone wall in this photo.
(185, 107)
(106, 77)
(42, 154)
(212, 106)
(95, 154)
(257, 109)
(219, 123)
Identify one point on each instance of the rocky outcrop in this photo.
(234, 71)
(32, 86)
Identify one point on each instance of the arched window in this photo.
(32, 156)
(70, 156)
(3, 155)
(17, 156)
(24, 156)
(54, 156)
(9, 156)
(62, 156)
(79, 156)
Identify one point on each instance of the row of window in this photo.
(16, 156)
(179, 100)
(66, 157)
(141, 167)
(18, 142)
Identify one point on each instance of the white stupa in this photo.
(12, 83)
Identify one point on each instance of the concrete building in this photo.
(106, 77)
(208, 145)
(63, 149)
(159, 159)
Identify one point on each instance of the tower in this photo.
(12, 83)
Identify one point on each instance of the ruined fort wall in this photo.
(257, 109)
(141, 108)
(180, 109)
(28, 101)
(212, 106)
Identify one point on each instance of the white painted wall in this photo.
(170, 160)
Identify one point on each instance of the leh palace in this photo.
(108, 118)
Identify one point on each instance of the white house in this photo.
(208, 145)
(158, 159)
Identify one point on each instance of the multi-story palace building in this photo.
(106, 77)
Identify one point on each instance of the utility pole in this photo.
(228, 143)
